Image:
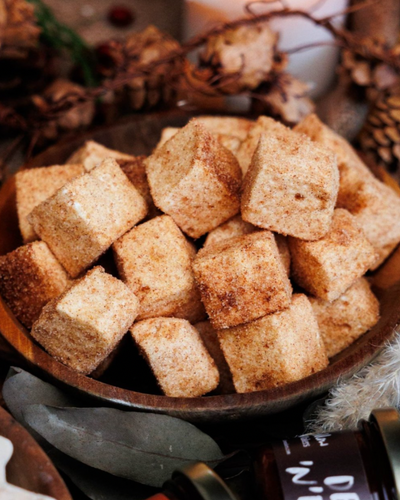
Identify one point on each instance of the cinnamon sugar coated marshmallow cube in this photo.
(155, 261)
(291, 186)
(35, 185)
(275, 349)
(177, 356)
(195, 180)
(82, 219)
(317, 131)
(91, 154)
(345, 319)
(263, 125)
(376, 207)
(210, 338)
(242, 279)
(328, 267)
(230, 229)
(30, 276)
(86, 322)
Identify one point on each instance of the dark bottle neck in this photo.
(376, 462)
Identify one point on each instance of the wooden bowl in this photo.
(30, 468)
(139, 136)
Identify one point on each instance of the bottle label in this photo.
(322, 467)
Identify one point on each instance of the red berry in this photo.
(121, 16)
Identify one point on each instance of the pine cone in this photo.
(285, 99)
(242, 58)
(367, 72)
(380, 136)
(18, 30)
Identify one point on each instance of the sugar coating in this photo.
(275, 349)
(155, 260)
(135, 170)
(345, 319)
(291, 186)
(35, 185)
(238, 227)
(317, 131)
(230, 229)
(83, 218)
(376, 207)
(82, 326)
(30, 276)
(328, 267)
(195, 180)
(228, 141)
(263, 125)
(210, 338)
(242, 279)
(91, 154)
(227, 125)
(177, 356)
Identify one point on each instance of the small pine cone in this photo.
(286, 99)
(76, 118)
(242, 58)
(143, 48)
(18, 29)
(380, 136)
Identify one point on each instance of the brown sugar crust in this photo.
(242, 279)
(177, 356)
(30, 277)
(345, 319)
(276, 349)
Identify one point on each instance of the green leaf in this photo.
(143, 447)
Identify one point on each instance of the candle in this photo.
(315, 66)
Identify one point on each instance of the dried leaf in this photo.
(22, 389)
(143, 447)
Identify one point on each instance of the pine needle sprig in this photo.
(64, 39)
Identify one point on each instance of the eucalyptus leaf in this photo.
(98, 485)
(22, 389)
(143, 447)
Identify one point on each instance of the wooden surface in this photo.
(30, 468)
(127, 386)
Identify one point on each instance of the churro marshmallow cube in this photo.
(227, 125)
(238, 227)
(210, 338)
(155, 260)
(345, 319)
(177, 356)
(166, 134)
(376, 207)
(35, 185)
(195, 180)
(91, 154)
(276, 349)
(291, 186)
(230, 229)
(242, 279)
(135, 170)
(317, 131)
(30, 277)
(328, 267)
(86, 322)
(83, 218)
(263, 125)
